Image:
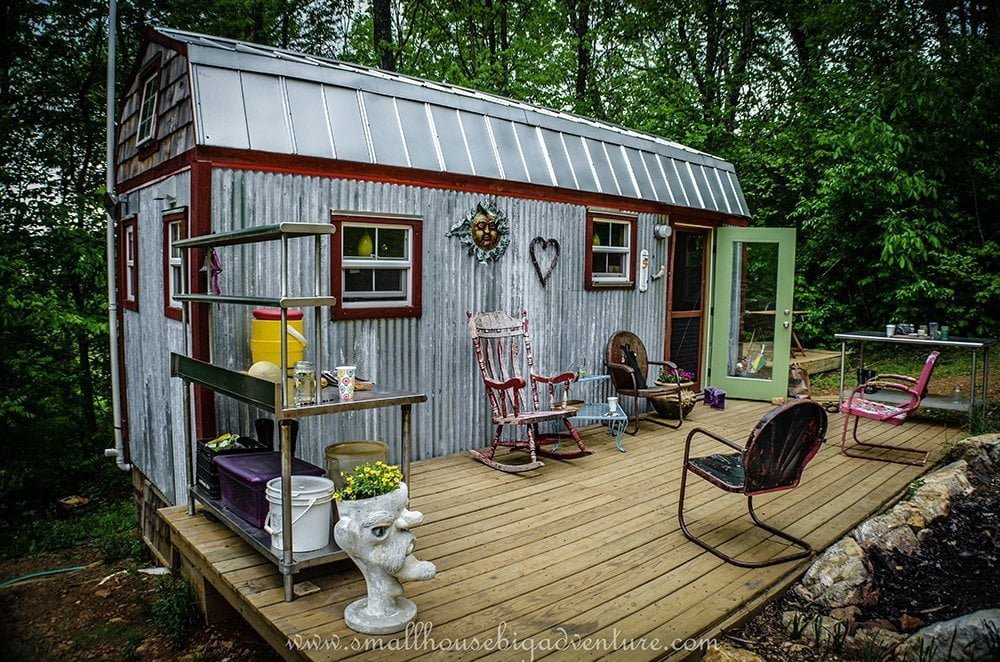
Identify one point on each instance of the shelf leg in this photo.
(407, 433)
(972, 386)
(286, 507)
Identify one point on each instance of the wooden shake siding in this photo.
(175, 124)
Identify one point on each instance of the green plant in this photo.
(369, 480)
(876, 651)
(818, 630)
(175, 610)
(838, 638)
(912, 488)
(927, 650)
(798, 625)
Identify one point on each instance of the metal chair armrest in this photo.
(668, 364)
(692, 433)
(905, 378)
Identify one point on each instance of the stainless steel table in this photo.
(975, 345)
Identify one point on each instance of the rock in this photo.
(878, 623)
(848, 614)
(888, 532)
(793, 648)
(966, 638)
(909, 623)
(723, 652)
(874, 643)
(933, 498)
(924, 534)
(982, 453)
(841, 576)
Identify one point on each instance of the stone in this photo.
(841, 576)
(924, 534)
(909, 623)
(874, 643)
(964, 639)
(982, 453)
(888, 532)
(848, 614)
(814, 627)
(724, 652)
(878, 623)
(933, 497)
(375, 533)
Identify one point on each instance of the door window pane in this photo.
(751, 328)
(689, 256)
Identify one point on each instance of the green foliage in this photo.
(175, 609)
(369, 480)
(110, 527)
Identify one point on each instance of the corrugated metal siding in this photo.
(155, 411)
(433, 353)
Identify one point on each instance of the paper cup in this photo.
(612, 405)
(345, 381)
(890, 330)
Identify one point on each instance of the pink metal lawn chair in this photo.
(858, 407)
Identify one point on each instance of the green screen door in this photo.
(752, 321)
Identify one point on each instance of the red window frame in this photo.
(169, 218)
(129, 242)
(342, 312)
(588, 263)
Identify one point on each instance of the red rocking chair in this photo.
(861, 407)
(497, 338)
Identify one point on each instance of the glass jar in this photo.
(304, 384)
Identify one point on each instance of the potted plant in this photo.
(666, 405)
(374, 529)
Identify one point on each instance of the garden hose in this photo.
(11, 582)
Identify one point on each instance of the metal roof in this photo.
(256, 97)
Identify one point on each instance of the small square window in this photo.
(611, 251)
(376, 268)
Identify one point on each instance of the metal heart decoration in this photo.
(539, 250)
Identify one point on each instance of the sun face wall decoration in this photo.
(485, 230)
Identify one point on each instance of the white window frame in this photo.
(131, 271)
(607, 278)
(150, 85)
(175, 267)
(348, 262)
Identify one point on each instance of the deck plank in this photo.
(590, 545)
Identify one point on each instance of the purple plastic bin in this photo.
(243, 481)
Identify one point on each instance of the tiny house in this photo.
(444, 200)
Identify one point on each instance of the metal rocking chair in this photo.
(780, 446)
(497, 338)
(630, 381)
(861, 407)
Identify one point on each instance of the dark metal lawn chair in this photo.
(780, 446)
(858, 407)
(497, 338)
(628, 364)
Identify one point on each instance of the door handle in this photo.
(786, 324)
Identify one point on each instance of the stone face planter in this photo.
(666, 405)
(375, 533)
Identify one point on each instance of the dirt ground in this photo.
(76, 617)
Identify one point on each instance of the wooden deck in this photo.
(591, 546)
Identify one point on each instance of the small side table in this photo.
(599, 412)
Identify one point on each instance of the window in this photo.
(174, 229)
(611, 240)
(147, 109)
(376, 267)
(129, 250)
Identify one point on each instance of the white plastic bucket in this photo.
(312, 512)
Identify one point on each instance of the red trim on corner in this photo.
(338, 312)
(200, 223)
(173, 312)
(588, 260)
(123, 237)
